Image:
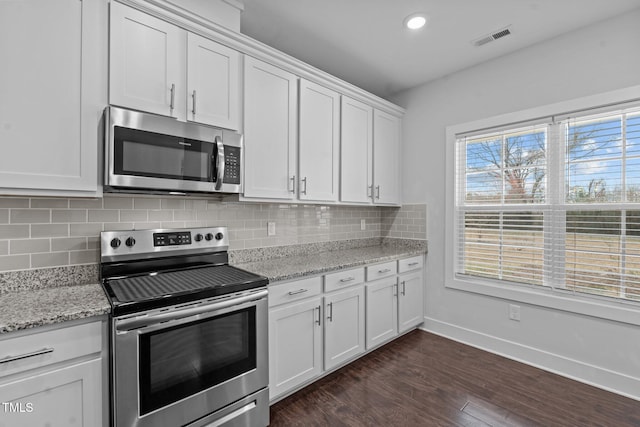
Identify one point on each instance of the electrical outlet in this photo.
(363, 224)
(514, 312)
(271, 228)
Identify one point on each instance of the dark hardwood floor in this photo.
(422, 379)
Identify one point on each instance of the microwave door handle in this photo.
(219, 163)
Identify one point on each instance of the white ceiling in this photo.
(364, 42)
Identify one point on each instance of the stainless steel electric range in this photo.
(188, 331)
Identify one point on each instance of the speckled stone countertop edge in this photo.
(26, 309)
(297, 267)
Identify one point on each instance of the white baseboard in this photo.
(605, 379)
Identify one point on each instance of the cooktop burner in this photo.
(148, 269)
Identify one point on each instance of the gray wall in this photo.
(585, 62)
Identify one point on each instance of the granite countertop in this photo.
(33, 298)
(292, 267)
(37, 307)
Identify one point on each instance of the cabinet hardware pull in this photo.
(319, 318)
(411, 264)
(27, 355)
(293, 184)
(330, 316)
(348, 279)
(304, 180)
(299, 291)
(173, 96)
(395, 289)
(378, 192)
(386, 270)
(194, 103)
(370, 191)
(404, 288)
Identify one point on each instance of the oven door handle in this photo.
(144, 321)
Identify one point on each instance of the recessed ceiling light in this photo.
(415, 21)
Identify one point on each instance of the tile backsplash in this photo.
(48, 232)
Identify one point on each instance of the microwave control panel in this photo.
(231, 165)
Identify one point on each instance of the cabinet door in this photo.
(295, 345)
(319, 142)
(147, 63)
(212, 83)
(410, 300)
(270, 131)
(356, 151)
(382, 311)
(344, 326)
(386, 147)
(53, 90)
(66, 396)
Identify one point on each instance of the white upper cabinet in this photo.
(160, 68)
(212, 83)
(386, 147)
(147, 63)
(319, 142)
(356, 152)
(270, 131)
(52, 94)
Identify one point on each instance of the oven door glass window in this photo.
(182, 360)
(148, 154)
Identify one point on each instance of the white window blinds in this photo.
(554, 205)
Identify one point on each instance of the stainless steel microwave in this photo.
(147, 153)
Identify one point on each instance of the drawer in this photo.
(343, 279)
(380, 271)
(408, 264)
(34, 350)
(294, 291)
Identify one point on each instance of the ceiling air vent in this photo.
(491, 37)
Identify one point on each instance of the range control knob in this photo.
(198, 237)
(115, 243)
(219, 236)
(130, 242)
(209, 236)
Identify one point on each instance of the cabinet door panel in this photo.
(356, 151)
(147, 60)
(52, 94)
(319, 142)
(386, 146)
(382, 311)
(411, 300)
(295, 340)
(212, 83)
(270, 131)
(344, 326)
(63, 397)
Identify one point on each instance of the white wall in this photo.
(589, 61)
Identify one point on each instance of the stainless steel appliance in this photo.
(156, 154)
(188, 331)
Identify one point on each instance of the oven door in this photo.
(174, 366)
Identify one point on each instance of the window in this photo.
(553, 204)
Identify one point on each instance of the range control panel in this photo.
(134, 244)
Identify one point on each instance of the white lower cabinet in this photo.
(344, 326)
(382, 311)
(312, 332)
(54, 376)
(295, 345)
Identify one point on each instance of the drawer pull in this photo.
(413, 263)
(26, 355)
(386, 270)
(299, 291)
(347, 279)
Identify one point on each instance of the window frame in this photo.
(555, 298)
